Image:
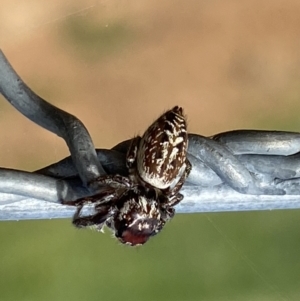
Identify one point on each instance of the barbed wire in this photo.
(231, 171)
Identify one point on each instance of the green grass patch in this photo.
(239, 256)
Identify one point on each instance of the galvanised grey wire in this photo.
(36, 195)
(196, 199)
(61, 123)
(214, 164)
(233, 171)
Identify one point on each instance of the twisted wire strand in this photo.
(55, 120)
(232, 171)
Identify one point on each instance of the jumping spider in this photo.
(138, 206)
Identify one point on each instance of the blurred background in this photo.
(117, 65)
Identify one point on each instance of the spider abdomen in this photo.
(162, 150)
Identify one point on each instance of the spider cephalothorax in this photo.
(138, 206)
(139, 216)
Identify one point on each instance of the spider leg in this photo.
(175, 199)
(132, 152)
(95, 221)
(173, 196)
(103, 207)
(100, 197)
(168, 211)
(114, 181)
(178, 186)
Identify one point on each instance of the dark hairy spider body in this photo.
(138, 206)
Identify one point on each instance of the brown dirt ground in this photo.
(230, 64)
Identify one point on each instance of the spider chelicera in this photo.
(138, 206)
